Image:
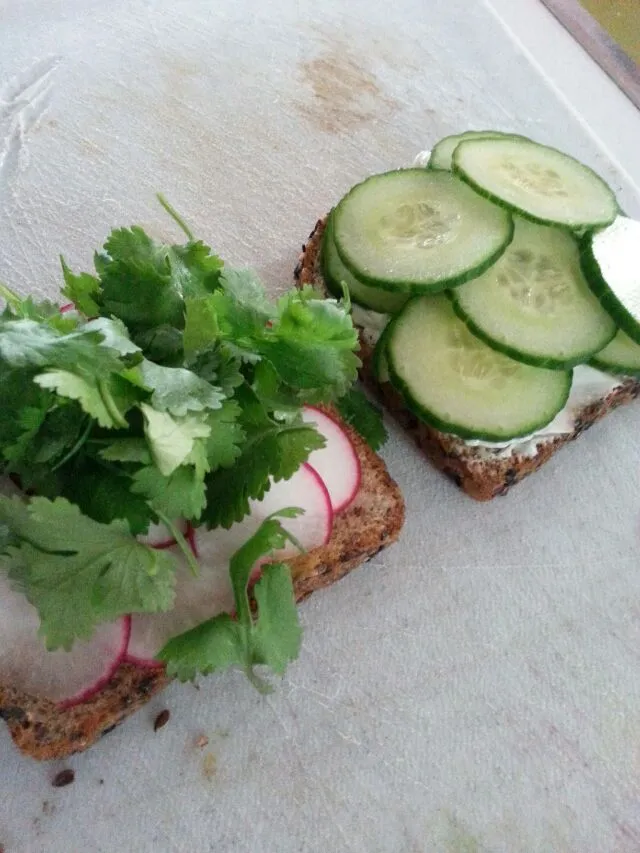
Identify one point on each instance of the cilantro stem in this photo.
(181, 542)
(11, 298)
(282, 513)
(110, 405)
(84, 435)
(173, 213)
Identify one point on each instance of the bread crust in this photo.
(44, 730)
(482, 477)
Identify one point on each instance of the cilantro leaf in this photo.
(162, 344)
(246, 296)
(23, 409)
(19, 308)
(197, 268)
(242, 311)
(83, 290)
(78, 572)
(218, 365)
(114, 334)
(27, 343)
(127, 450)
(182, 492)
(144, 282)
(181, 495)
(312, 346)
(178, 391)
(105, 400)
(273, 451)
(271, 638)
(357, 411)
(277, 634)
(171, 439)
(105, 494)
(212, 646)
(29, 421)
(52, 435)
(272, 392)
(224, 443)
(200, 325)
(138, 283)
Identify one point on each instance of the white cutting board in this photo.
(475, 688)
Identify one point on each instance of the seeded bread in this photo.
(480, 475)
(43, 730)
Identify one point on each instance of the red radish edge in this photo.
(190, 536)
(89, 692)
(256, 574)
(162, 546)
(323, 488)
(68, 307)
(169, 542)
(350, 499)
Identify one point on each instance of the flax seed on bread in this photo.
(481, 475)
(44, 730)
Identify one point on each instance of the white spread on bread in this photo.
(371, 322)
(589, 385)
(422, 158)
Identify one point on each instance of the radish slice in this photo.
(65, 677)
(200, 598)
(337, 462)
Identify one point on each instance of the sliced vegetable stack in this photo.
(496, 270)
(158, 463)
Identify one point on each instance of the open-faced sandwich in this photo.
(496, 289)
(182, 460)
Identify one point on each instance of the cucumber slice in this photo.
(611, 264)
(458, 384)
(335, 273)
(418, 231)
(538, 182)
(380, 363)
(442, 154)
(621, 356)
(534, 303)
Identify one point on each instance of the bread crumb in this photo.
(202, 741)
(63, 778)
(161, 720)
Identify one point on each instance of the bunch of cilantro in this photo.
(173, 390)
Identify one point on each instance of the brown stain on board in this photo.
(343, 95)
(209, 766)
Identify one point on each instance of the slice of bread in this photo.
(481, 474)
(43, 730)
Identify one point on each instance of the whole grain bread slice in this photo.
(44, 730)
(481, 475)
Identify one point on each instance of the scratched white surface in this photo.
(477, 687)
